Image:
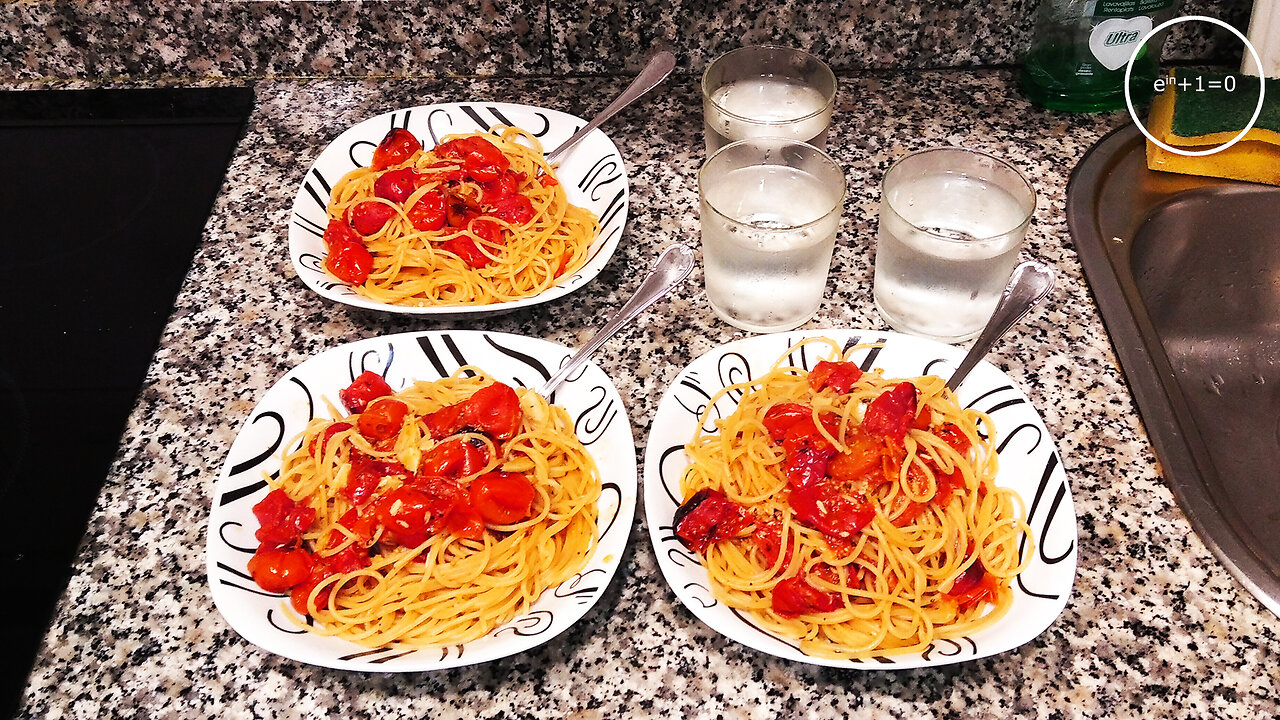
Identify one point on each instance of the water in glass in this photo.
(766, 107)
(941, 273)
(767, 270)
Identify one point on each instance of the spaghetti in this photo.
(476, 220)
(429, 516)
(854, 513)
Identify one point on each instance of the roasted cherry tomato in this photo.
(503, 498)
(459, 211)
(481, 159)
(839, 376)
(488, 231)
(319, 443)
(447, 498)
(892, 413)
(428, 214)
(974, 585)
(768, 540)
(795, 596)
(515, 209)
(349, 262)
(397, 146)
(707, 517)
(495, 410)
(361, 524)
(824, 508)
(808, 451)
(367, 474)
(370, 216)
(350, 558)
(362, 390)
(442, 171)
(454, 458)
(396, 185)
(955, 437)
(465, 521)
(382, 419)
(281, 521)
(338, 232)
(495, 190)
(405, 513)
(320, 570)
(861, 457)
(446, 421)
(779, 418)
(466, 250)
(276, 570)
(484, 161)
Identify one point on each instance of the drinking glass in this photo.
(952, 221)
(767, 91)
(770, 209)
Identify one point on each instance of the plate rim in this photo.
(606, 557)
(752, 636)
(300, 238)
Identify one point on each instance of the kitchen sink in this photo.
(1186, 273)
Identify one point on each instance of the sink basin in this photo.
(1186, 273)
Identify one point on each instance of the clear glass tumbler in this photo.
(767, 91)
(952, 222)
(770, 210)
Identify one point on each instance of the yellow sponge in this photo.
(1194, 119)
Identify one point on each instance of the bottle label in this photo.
(1114, 40)
(1125, 8)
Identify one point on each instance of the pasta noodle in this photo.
(406, 548)
(854, 513)
(476, 220)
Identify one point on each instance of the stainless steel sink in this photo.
(1186, 273)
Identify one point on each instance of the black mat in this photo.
(103, 198)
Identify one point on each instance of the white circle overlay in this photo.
(1128, 98)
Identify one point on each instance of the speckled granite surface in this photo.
(1155, 628)
(120, 40)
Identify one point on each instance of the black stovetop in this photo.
(103, 198)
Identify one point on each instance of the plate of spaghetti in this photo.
(452, 209)
(823, 497)
(407, 503)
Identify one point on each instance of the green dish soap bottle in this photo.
(1081, 47)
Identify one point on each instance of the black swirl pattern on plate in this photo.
(591, 425)
(671, 480)
(951, 647)
(252, 486)
(696, 403)
(226, 528)
(677, 553)
(610, 498)
(378, 656)
(731, 369)
(529, 624)
(523, 357)
(284, 625)
(574, 589)
(703, 595)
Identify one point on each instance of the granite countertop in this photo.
(1155, 627)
